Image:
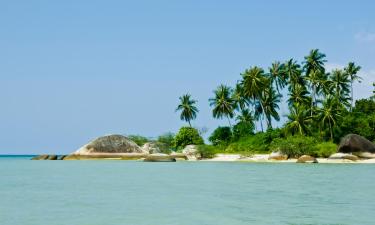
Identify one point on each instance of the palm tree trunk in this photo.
(189, 123)
(312, 100)
(330, 129)
(230, 125)
(263, 112)
(351, 104)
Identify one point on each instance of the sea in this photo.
(109, 192)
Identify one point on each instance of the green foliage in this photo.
(256, 143)
(294, 146)
(242, 129)
(209, 151)
(324, 149)
(187, 136)
(167, 139)
(138, 139)
(187, 107)
(221, 136)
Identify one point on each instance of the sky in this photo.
(71, 71)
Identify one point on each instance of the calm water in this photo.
(183, 193)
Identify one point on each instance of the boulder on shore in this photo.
(154, 147)
(191, 152)
(52, 157)
(110, 144)
(355, 143)
(277, 156)
(40, 157)
(159, 157)
(307, 159)
(340, 155)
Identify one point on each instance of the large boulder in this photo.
(340, 155)
(52, 157)
(110, 144)
(40, 157)
(277, 156)
(355, 143)
(159, 157)
(191, 152)
(306, 159)
(154, 147)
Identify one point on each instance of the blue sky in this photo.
(74, 70)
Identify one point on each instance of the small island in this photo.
(324, 124)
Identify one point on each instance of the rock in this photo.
(61, 157)
(52, 157)
(40, 157)
(153, 147)
(179, 156)
(111, 144)
(306, 159)
(365, 155)
(159, 157)
(277, 156)
(191, 152)
(355, 143)
(344, 156)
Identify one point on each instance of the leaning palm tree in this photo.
(298, 120)
(223, 103)
(254, 82)
(329, 114)
(187, 107)
(352, 71)
(277, 75)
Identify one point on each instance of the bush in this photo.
(139, 140)
(242, 129)
(294, 146)
(221, 136)
(324, 149)
(256, 143)
(208, 151)
(187, 136)
(167, 139)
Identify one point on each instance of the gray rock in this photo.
(340, 155)
(306, 159)
(355, 143)
(52, 157)
(191, 152)
(40, 157)
(159, 157)
(277, 156)
(152, 147)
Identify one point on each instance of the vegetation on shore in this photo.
(320, 102)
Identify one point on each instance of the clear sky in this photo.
(74, 70)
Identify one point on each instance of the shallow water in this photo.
(184, 193)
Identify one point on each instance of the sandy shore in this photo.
(264, 158)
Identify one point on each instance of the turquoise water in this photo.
(183, 193)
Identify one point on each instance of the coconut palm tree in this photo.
(277, 75)
(340, 86)
(298, 96)
(245, 117)
(223, 103)
(270, 100)
(298, 120)
(352, 71)
(317, 80)
(329, 114)
(187, 107)
(241, 102)
(254, 82)
(314, 62)
(294, 73)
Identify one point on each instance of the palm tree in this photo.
(254, 82)
(298, 96)
(187, 107)
(352, 71)
(329, 114)
(294, 74)
(340, 85)
(271, 100)
(317, 80)
(238, 96)
(277, 75)
(223, 103)
(245, 117)
(298, 120)
(314, 62)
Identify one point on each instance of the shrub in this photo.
(187, 136)
(294, 146)
(208, 151)
(221, 136)
(242, 129)
(256, 143)
(167, 139)
(325, 149)
(139, 140)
